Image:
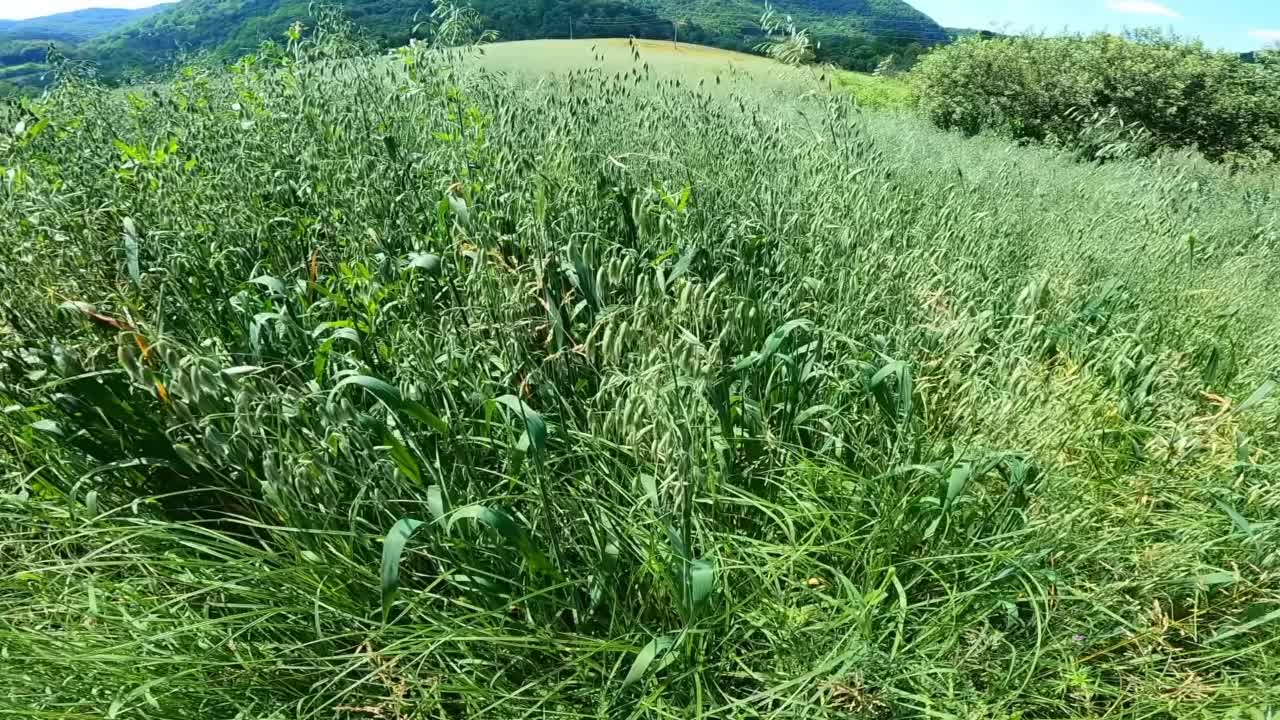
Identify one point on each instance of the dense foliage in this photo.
(1107, 94)
(391, 388)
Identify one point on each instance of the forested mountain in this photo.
(77, 25)
(24, 44)
(851, 33)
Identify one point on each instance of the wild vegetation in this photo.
(1108, 95)
(391, 387)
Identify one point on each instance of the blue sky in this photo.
(1233, 24)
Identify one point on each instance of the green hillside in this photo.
(852, 33)
(76, 25)
(24, 44)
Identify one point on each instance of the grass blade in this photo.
(656, 648)
(392, 549)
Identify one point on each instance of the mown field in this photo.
(419, 389)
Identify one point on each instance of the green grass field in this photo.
(543, 57)
(542, 386)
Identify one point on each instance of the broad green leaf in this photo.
(657, 648)
(508, 528)
(381, 389)
(390, 396)
(270, 283)
(682, 266)
(404, 459)
(886, 371)
(437, 503)
(812, 412)
(47, 426)
(535, 424)
(771, 344)
(678, 545)
(650, 484)
(1216, 578)
(1237, 519)
(460, 209)
(241, 370)
(392, 549)
(960, 476)
(900, 404)
(131, 250)
(1259, 396)
(702, 580)
(1246, 627)
(427, 262)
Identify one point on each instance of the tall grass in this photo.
(393, 388)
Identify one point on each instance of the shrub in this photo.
(1054, 89)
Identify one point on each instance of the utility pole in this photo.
(570, 28)
(675, 34)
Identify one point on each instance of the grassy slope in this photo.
(611, 55)
(1005, 467)
(691, 63)
(877, 92)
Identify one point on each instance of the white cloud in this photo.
(1266, 36)
(1142, 7)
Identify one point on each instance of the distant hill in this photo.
(852, 33)
(75, 26)
(24, 44)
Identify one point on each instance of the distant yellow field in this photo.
(665, 59)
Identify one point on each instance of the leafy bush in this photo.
(1058, 89)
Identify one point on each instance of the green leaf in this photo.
(47, 426)
(131, 250)
(682, 267)
(702, 580)
(460, 209)
(392, 549)
(1236, 518)
(657, 648)
(1259, 396)
(1246, 627)
(390, 396)
(404, 459)
(650, 484)
(437, 503)
(270, 283)
(959, 479)
(508, 528)
(1216, 578)
(771, 344)
(240, 370)
(427, 262)
(535, 424)
(900, 404)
